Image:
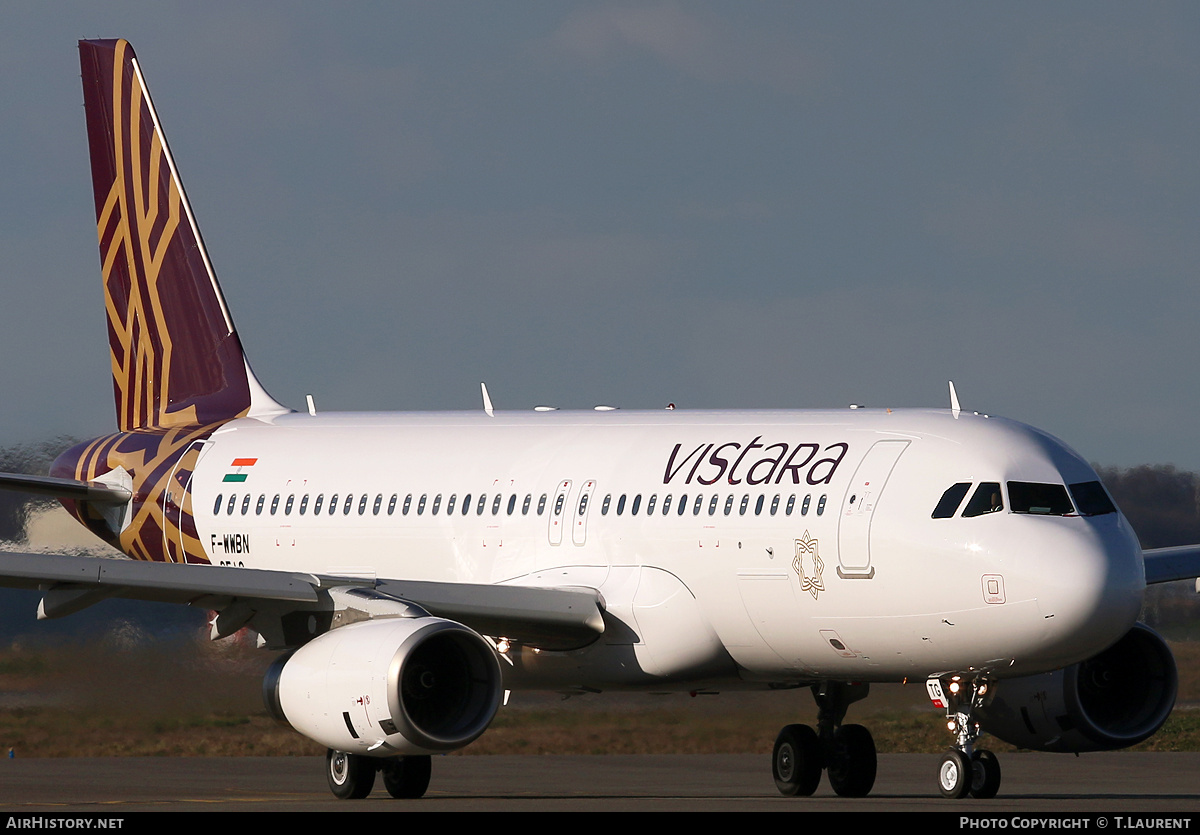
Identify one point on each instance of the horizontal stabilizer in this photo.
(66, 488)
(1166, 564)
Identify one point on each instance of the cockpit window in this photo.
(1091, 499)
(987, 499)
(1041, 499)
(951, 499)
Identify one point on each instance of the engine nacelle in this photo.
(389, 686)
(1117, 699)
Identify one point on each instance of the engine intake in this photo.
(1114, 700)
(389, 686)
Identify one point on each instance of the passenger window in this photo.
(947, 506)
(541, 504)
(821, 505)
(404, 510)
(437, 504)
(1040, 499)
(512, 503)
(274, 504)
(303, 504)
(729, 505)
(637, 502)
(421, 504)
(666, 504)
(650, 504)
(316, 505)
(804, 506)
(349, 503)
(791, 505)
(758, 505)
(378, 504)
(682, 505)
(558, 504)
(362, 505)
(450, 504)
(246, 504)
(231, 505)
(603, 506)
(217, 505)
(775, 504)
(525, 504)
(583, 502)
(482, 504)
(391, 504)
(621, 504)
(712, 505)
(1092, 499)
(287, 506)
(987, 499)
(744, 505)
(466, 505)
(698, 505)
(496, 504)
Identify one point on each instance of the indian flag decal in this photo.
(240, 465)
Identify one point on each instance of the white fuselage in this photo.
(747, 546)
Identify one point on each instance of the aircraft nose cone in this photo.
(1096, 582)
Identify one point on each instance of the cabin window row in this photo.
(419, 504)
(336, 502)
(699, 503)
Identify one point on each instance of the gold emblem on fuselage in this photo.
(806, 555)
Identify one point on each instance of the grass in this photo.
(204, 700)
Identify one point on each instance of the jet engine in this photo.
(1114, 700)
(390, 686)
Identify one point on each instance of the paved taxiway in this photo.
(1047, 783)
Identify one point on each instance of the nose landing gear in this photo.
(964, 770)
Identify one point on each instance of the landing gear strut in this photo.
(845, 752)
(964, 769)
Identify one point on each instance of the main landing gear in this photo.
(352, 776)
(845, 752)
(964, 769)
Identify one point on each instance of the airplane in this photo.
(413, 568)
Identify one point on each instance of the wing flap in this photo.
(552, 619)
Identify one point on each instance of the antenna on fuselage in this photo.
(487, 401)
(954, 407)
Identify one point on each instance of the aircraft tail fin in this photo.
(176, 357)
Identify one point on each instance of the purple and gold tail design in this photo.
(178, 368)
(176, 358)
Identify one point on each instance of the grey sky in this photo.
(717, 204)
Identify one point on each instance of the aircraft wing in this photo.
(548, 618)
(1166, 564)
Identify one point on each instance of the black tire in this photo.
(985, 775)
(350, 776)
(954, 774)
(852, 761)
(406, 777)
(796, 761)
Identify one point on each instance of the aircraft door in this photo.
(579, 522)
(559, 512)
(858, 508)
